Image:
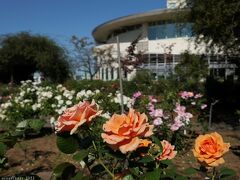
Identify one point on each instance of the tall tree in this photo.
(191, 71)
(22, 54)
(87, 58)
(217, 23)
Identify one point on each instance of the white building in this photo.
(160, 34)
(172, 4)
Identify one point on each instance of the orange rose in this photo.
(75, 116)
(124, 132)
(167, 152)
(210, 148)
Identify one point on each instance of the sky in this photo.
(60, 19)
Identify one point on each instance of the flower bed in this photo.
(137, 144)
(126, 146)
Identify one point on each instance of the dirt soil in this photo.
(40, 155)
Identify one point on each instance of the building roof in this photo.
(101, 32)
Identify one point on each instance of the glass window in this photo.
(118, 73)
(102, 73)
(153, 58)
(160, 58)
(125, 74)
(169, 30)
(106, 74)
(112, 73)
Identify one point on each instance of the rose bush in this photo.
(113, 143)
(125, 146)
(172, 114)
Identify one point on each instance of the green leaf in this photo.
(135, 171)
(63, 170)
(8, 140)
(156, 141)
(36, 124)
(3, 149)
(154, 175)
(79, 156)
(146, 159)
(226, 172)
(67, 144)
(190, 171)
(170, 172)
(167, 162)
(79, 176)
(179, 177)
(128, 177)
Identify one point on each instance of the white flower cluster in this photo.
(51, 101)
(126, 100)
(83, 94)
(40, 100)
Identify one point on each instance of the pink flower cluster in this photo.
(182, 117)
(156, 114)
(186, 94)
(189, 94)
(137, 94)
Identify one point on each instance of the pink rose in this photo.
(77, 115)
(168, 151)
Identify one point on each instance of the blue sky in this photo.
(60, 19)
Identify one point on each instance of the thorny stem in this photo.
(100, 162)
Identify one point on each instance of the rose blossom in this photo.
(168, 151)
(137, 94)
(203, 106)
(182, 114)
(75, 116)
(151, 107)
(177, 124)
(157, 121)
(186, 94)
(125, 132)
(210, 148)
(156, 113)
(152, 99)
(198, 96)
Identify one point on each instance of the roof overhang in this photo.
(101, 32)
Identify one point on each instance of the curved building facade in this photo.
(161, 35)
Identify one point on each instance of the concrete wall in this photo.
(179, 45)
